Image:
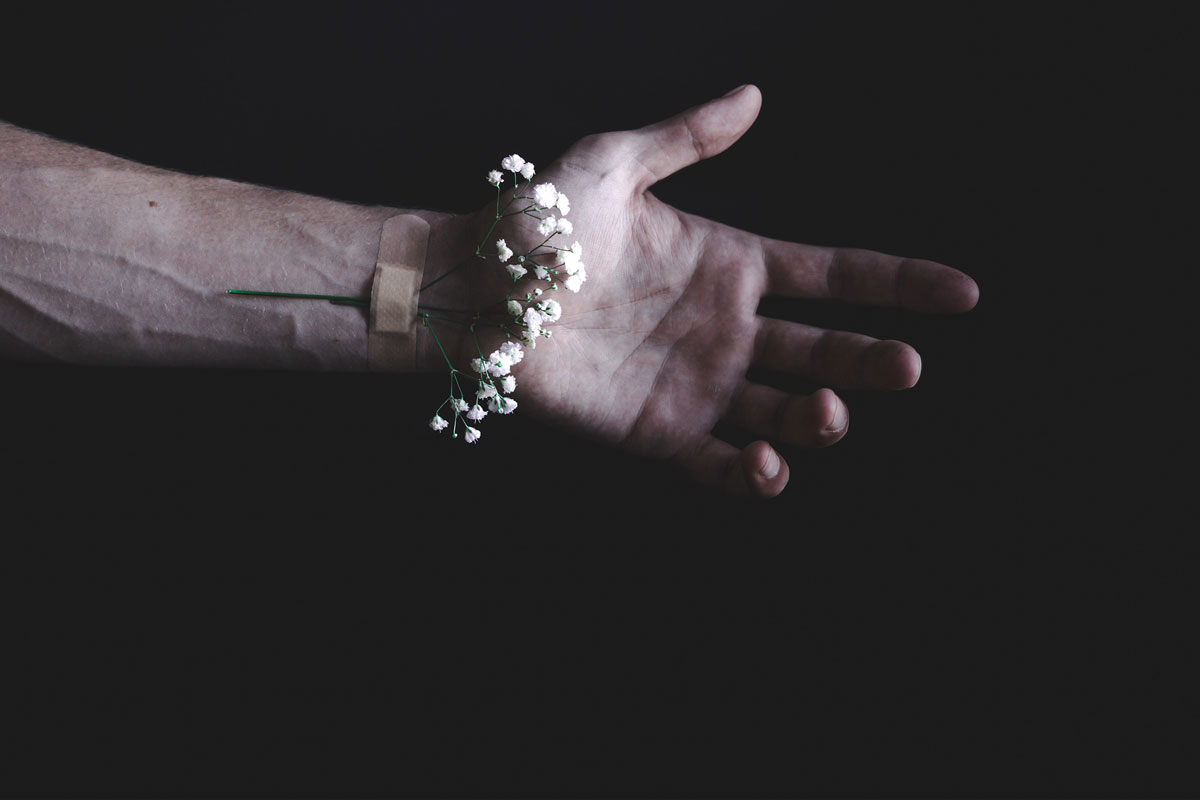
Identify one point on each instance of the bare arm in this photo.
(105, 261)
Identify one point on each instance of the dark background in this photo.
(265, 584)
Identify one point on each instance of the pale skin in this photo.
(649, 356)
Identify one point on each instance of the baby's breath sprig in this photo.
(522, 319)
(525, 317)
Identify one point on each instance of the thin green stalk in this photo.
(339, 300)
(461, 392)
(438, 342)
(462, 321)
(440, 308)
(448, 272)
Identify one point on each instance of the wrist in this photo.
(452, 241)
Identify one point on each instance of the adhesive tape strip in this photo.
(392, 324)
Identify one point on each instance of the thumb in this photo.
(700, 132)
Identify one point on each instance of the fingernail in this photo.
(839, 419)
(771, 466)
(735, 91)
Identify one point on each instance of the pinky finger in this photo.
(756, 470)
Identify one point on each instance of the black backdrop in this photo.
(266, 584)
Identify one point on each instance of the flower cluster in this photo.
(525, 316)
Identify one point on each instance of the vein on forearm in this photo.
(106, 261)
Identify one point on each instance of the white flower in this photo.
(529, 338)
(545, 195)
(551, 310)
(533, 319)
(502, 405)
(527, 170)
(499, 364)
(459, 404)
(476, 413)
(513, 351)
(478, 365)
(537, 292)
(564, 205)
(547, 226)
(576, 279)
(565, 227)
(485, 391)
(572, 255)
(513, 163)
(437, 423)
(495, 178)
(507, 384)
(514, 308)
(542, 273)
(472, 435)
(516, 270)
(502, 251)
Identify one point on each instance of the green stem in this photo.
(438, 342)
(461, 321)
(462, 394)
(450, 271)
(339, 300)
(485, 376)
(440, 308)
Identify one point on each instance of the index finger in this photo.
(866, 277)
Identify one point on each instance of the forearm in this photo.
(104, 261)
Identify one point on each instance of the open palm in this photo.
(654, 350)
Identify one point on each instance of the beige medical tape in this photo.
(392, 325)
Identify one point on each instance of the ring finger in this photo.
(836, 358)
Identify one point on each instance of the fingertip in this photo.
(766, 471)
(970, 294)
(748, 88)
(825, 405)
(960, 295)
(912, 365)
(756, 93)
(747, 94)
(893, 365)
(833, 418)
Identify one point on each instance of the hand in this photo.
(653, 350)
